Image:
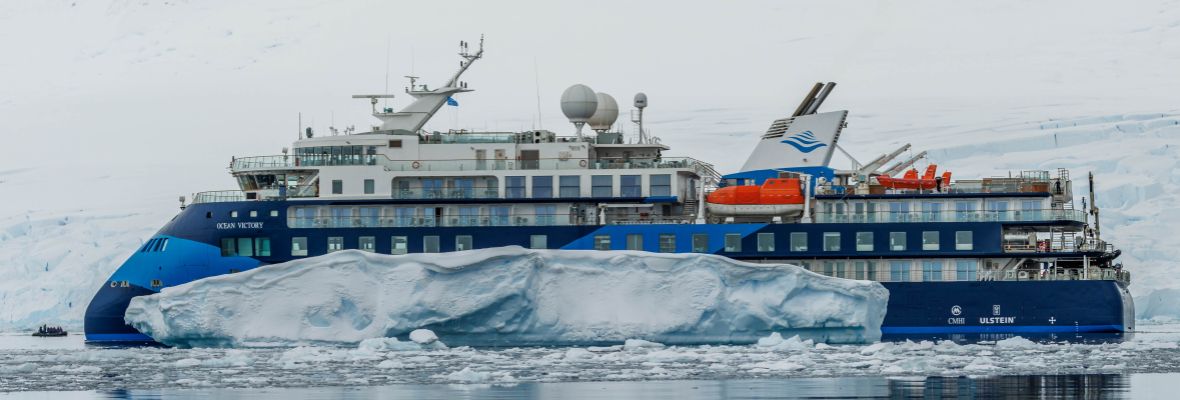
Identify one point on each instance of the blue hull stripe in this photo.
(900, 330)
(118, 337)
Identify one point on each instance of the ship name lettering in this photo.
(239, 225)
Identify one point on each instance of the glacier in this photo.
(512, 296)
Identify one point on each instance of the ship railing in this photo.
(538, 164)
(1057, 274)
(1068, 245)
(470, 192)
(219, 196)
(954, 216)
(377, 221)
(301, 160)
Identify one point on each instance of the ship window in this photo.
(964, 240)
(335, 243)
(864, 241)
(396, 144)
(765, 242)
(661, 185)
(370, 186)
(229, 247)
(631, 186)
(602, 242)
(571, 186)
(253, 213)
(798, 241)
(899, 271)
(897, 241)
(733, 242)
(966, 270)
(538, 241)
(399, 245)
(208, 214)
(514, 187)
(863, 270)
(430, 244)
(337, 186)
(246, 247)
(262, 246)
(462, 242)
(163, 245)
(834, 269)
(499, 215)
(233, 214)
(930, 240)
(274, 213)
(542, 187)
(367, 243)
(931, 270)
(157, 283)
(700, 243)
(667, 243)
(831, 241)
(299, 246)
(602, 186)
(634, 242)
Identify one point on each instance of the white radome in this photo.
(578, 103)
(606, 114)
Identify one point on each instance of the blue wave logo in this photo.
(804, 142)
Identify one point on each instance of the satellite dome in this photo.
(578, 103)
(606, 113)
(640, 100)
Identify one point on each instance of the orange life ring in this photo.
(415, 165)
(582, 163)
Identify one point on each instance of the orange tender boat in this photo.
(776, 196)
(911, 180)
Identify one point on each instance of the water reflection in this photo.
(1024, 386)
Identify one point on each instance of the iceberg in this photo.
(511, 296)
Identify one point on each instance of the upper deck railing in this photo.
(219, 196)
(317, 160)
(955, 216)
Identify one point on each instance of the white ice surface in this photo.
(511, 296)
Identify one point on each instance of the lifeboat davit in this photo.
(911, 180)
(776, 196)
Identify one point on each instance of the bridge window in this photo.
(964, 240)
(766, 242)
(335, 243)
(897, 241)
(571, 186)
(631, 186)
(229, 247)
(367, 243)
(700, 243)
(661, 185)
(602, 186)
(966, 270)
(430, 244)
(733, 242)
(299, 246)
(930, 240)
(337, 186)
(462, 242)
(399, 245)
(542, 187)
(634, 242)
(514, 187)
(370, 186)
(931, 270)
(831, 241)
(667, 243)
(798, 241)
(602, 242)
(246, 247)
(864, 241)
(538, 241)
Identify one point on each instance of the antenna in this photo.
(387, 67)
(537, 84)
(637, 116)
(372, 100)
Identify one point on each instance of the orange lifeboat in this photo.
(776, 196)
(911, 180)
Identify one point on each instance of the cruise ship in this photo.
(1004, 255)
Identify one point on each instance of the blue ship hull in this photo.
(187, 249)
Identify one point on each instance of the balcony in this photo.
(1048, 215)
(262, 163)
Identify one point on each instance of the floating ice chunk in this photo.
(1015, 342)
(468, 375)
(512, 295)
(423, 336)
(392, 344)
(187, 362)
(874, 348)
(578, 353)
(776, 342)
(636, 344)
